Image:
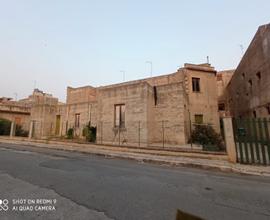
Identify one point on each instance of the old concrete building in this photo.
(153, 111)
(248, 91)
(78, 111)
(17, 112)
(223, 79)
(43, 111)
(37, 111)
(143, 112)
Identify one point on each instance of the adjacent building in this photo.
(248, 92)
(18, 112)
(223, 79)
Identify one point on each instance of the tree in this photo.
(207, 137)
(5, 126)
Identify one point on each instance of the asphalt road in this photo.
(94, 187)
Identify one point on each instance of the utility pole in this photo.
(241, 48)
(124, 74)
(151, 66)
(35, 84)
(15, 95)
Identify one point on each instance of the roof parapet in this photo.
(205, 67)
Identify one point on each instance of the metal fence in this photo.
(8, 128)
(162, 134)
(252, 137)
(20, 131)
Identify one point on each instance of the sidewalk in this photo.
(187, 159)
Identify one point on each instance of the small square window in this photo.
(258, 75)
(268, 109)
(198, 119)
(243, 75)
(250, 83)
(195, 84)
(221, 106)
(254, 114)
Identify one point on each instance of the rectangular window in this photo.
(198, 119)
(268, 109)
(77, 120)
(119, 115)
(250, 83)
(196, 84)
(221, 106)
(258, 74)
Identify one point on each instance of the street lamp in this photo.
(16, 95)
(151, 65)
(124, 74)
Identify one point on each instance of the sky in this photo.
(53, 44)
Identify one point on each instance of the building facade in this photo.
(143, 112)
(223, 79)
(248, 92)
(15, 111)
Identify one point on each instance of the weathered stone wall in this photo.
(165, 79)
(54, 119)
(144, 121)
(166, 118)
(223, 78)
(81, 94)
(134, 96)
(205, 101)
(43, 113)
(19, 114)
(156, 109)
(153, 81)
(67, 112)
(249, 88)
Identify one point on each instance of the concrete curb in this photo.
(180, 161)
(160, 152)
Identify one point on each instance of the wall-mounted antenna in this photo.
(241, 48)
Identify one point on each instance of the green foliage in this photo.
(90, 133)
(5, 126)
(19, 131)
(207, 137)
(70, 133)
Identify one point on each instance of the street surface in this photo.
(85, 186)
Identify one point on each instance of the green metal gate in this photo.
(252, 140)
